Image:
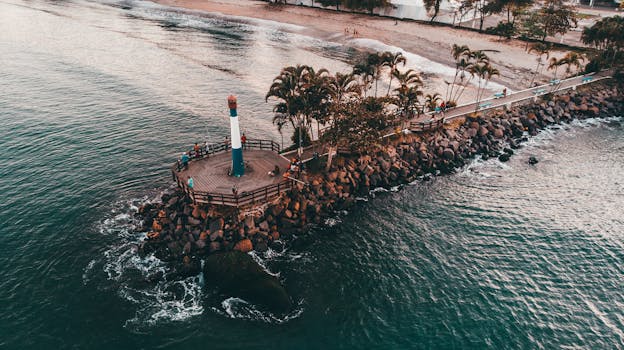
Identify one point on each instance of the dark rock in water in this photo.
(189, 267)
(508, 151)
(261, 247)
(504, 157)
(533, 160)
(277, 246)
(448, 153)
(237, 274)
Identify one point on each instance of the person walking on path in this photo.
(244, 141)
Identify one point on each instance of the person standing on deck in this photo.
(197, 150)
(185, 160)
(244, 141)
(190, 183)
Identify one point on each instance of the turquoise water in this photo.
(96, 100)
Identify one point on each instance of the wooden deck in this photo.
(210, 174)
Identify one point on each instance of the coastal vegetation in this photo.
(349, 106)
(607, 38)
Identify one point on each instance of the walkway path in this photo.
(511, 99)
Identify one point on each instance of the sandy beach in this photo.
(433, 43)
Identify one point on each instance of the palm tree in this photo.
(408, 92)
(465, 69)
(370, 70)
(343, 86)
(541, 49)
(554, 64)
(479, 56)
(484, 72)
(431, 101)
(286, 88)
(572, 59)
(392, 61)
(302, 95)
(461, 55)
(473, 59)
(366, 74)
(409, 77)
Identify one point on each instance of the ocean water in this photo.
(97, 99)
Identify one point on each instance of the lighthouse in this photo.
(238, 167)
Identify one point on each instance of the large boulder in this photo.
(483, 131)
(448, 153)
(244, 246)
(236, 274)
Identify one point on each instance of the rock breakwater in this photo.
(182, 232)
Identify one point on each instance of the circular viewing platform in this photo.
(212, 184)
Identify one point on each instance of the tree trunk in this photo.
(481, 22)
(330, 157)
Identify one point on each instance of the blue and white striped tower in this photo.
(238, 167)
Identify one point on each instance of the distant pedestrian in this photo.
(244, 141)
(190, 183)
(197, 150)
(185, 160)
(504, 92)
(275, 171)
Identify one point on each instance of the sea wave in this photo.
(199, 19)
(241, 309)
(143, 281)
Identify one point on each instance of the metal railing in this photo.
(262, 194)
(430, 124)
(235, 199)
(207, 150)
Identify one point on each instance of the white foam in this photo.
(262, 264)
(331, 222)
(241, 309)
(87, 271)
(143, 280)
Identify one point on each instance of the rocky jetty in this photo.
(183, 233)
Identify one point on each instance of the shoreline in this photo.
(183, 233)
(432, 43)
